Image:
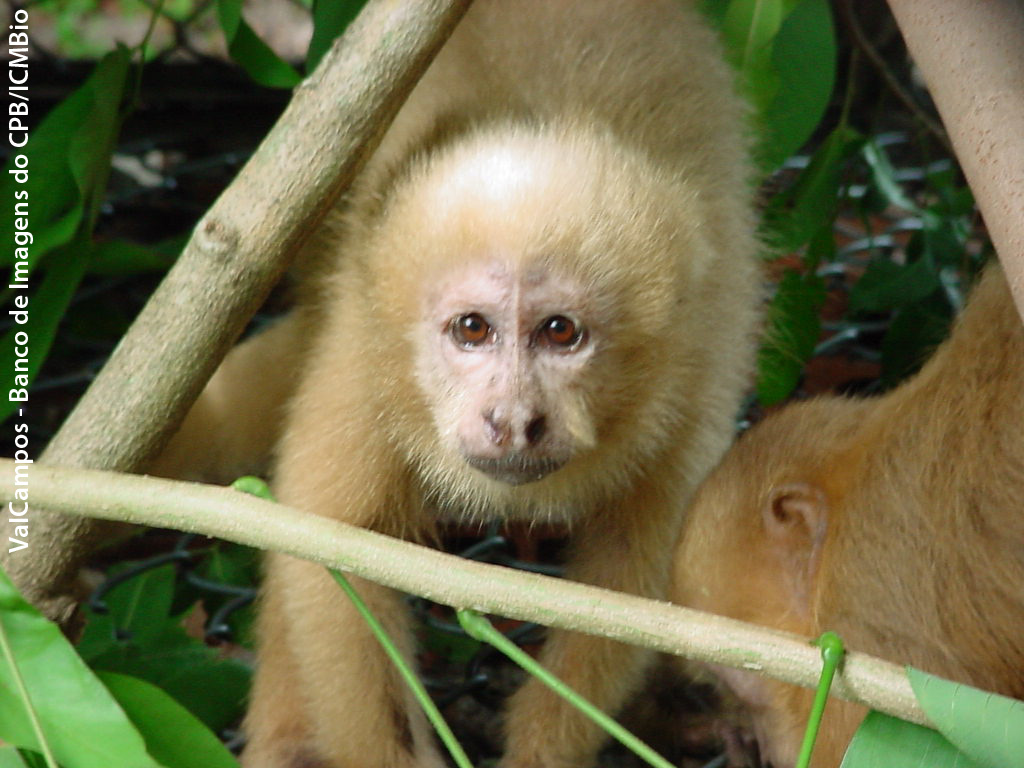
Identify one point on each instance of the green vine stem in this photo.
(26, 700)
(831, 654)
(256, 487)
(433, 715)
(479, 628)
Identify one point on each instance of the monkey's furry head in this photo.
(550, 285)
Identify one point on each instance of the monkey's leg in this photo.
(629, 550)
(231, 429)
(326, 696)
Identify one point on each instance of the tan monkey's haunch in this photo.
(894, 521)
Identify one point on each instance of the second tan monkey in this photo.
(894, 521)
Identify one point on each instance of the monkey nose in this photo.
(515, 433)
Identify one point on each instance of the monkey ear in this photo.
(795, 519)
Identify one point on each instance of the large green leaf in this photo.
(69, 165)
(804, 62)
(141, 606)
(212, 688)
(69, 157)
(887, 742)
(173, 736)
(69, 161)
(256, 57)
(886, 285)
(330, 19)
(81, 721)
(987, 727)
(784, 52)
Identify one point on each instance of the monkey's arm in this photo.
(626, 549)
(325, 693)
(232, 428)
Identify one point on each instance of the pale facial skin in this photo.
(504, 345)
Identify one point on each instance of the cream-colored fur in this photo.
(900, 527)
(583, 159)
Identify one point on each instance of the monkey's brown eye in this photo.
(559, 331)
(470, 330)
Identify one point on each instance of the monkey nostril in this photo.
(535, 430)
(497, 430)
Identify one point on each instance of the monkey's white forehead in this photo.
(498, 175)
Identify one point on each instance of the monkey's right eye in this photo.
(470, 330)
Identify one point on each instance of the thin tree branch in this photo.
(462, 583)
(237, 253)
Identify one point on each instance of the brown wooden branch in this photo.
(237, 252)
(972, 57)
(453, 581)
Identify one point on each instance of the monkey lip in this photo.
(515, 469)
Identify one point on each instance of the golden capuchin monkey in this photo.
(896, 522)
(538, 303)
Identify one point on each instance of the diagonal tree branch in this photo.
(462, 583)
(237, 253)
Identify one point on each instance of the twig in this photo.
(933, 126)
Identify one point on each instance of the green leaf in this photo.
(45, 309)
(887, 742)
(330, 19)
(457, 648)
(884, 177)
(123, 257)
(914, 333)
(886, 285)
(69, 161)
(943, 238)
(83, 724)
(793, 216)
(141, 606)
(804, 62)
(9, 758)
(793, 330)
(230, 563)
(173, 736)
(256, 57)
(70, 153)
(33, 759)
(749, 27)
(211, 688)
(987, 727)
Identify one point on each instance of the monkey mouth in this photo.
(515, 469)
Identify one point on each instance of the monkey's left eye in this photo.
(470, 330)
(559, 331)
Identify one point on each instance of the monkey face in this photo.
(506, 349)
(544, 296)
